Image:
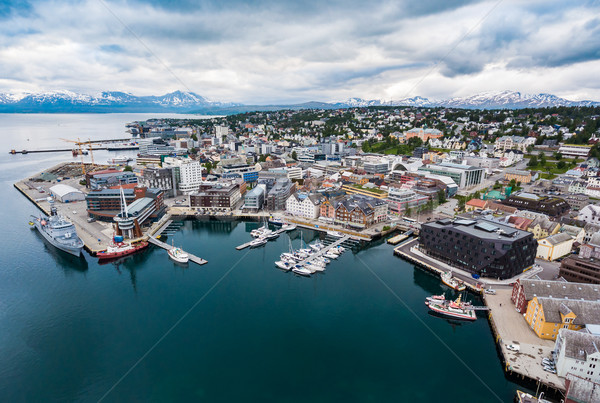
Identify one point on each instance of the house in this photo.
(476, 205)
(521, 223)
(578, 353)
(577, 233)
(554, 246)
(526, 289)
(546, 315)
(542, 227)
(360, 211)
(303, 205)
(519, 176)
(590, 214)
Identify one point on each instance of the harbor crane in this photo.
(79, 143)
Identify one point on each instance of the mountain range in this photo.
(189, 102)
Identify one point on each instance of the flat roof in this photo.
(484, 229)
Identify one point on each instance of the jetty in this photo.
(166, 246)
(399, 238)
(323, 252)
(245, 245)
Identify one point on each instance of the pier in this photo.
(323, 252)
(96, 145)
(245, 245)
(399, 238)
(166, 246)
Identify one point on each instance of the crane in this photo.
(79, 143)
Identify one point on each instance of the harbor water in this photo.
(236, 329)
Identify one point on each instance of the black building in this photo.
(551, 206)
(479, 246)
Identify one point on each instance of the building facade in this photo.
(578, 353)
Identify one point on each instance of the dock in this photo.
(323, 252)
(245, 245)
(161, 244)
(399, 238)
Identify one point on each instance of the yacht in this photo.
(454, 309)
(284, 265)
(301, 271)
(288, 227)
(258, 242)
(335, 234)
(178, 255)
(331, 255)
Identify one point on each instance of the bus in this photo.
(409, 220)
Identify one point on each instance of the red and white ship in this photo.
(454, 309)
(118, 248)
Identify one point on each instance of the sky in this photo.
(278, 51)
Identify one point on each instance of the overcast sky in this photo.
(287, 51)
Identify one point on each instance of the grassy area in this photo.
(374, 190)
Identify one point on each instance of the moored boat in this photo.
(178, 255)
(301, 271)
(58, 231)
(258, 242)
(288, 227)
(335, 234)
(452, 282)
(118, 248)
(454, 309)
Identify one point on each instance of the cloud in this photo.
(267, 51)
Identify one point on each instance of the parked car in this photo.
(513, 347)
(490, 291)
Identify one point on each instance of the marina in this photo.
(167, 247)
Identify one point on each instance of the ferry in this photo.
(119, 160)
(452, 282)
(118, 248)
(454, 309)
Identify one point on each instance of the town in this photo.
(504, 202)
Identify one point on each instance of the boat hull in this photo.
(469, 315)
(116, 255)
(73, 250)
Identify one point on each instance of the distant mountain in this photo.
(189, 102)
(114, 101)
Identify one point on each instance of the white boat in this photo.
(178, 255)
(331, 255)
(317, 246)
(284, 265)
(335, 234)
(314, 267)
(276, 221)
(301, 271)
(271, 236)
(322, 260)
(341, 249)
(119, 160)
(262, 231)
(288, 227)
(290, 256)
(258, 242)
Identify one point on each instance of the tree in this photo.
(208, 167)
(561, 165)
(408, 212)
(128, 168)
(532, 162)
(441, 196)
(366, 147)
(294, 156)
(558, 156)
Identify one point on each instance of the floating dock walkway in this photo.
(399, 238)
(245, 245)
(166, 246)
(323, 252)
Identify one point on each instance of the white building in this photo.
(188, 173)
(303, 205)
(554, 246)
(577, 353)
(576, 151)
(590, 214)
(65, 193)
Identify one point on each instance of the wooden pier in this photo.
(399, 238)
(166, 246)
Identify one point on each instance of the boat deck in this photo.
(166, 246)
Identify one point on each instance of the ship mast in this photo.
(123, 204)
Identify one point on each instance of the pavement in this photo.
(512, 328)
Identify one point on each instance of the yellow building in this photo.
(546, 315)
(542, 227)
(518, 176)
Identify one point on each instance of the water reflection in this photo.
(64, 260)
(131, 264)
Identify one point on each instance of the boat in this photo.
(271, 236)
(331, 255)
(118, 248)
(452, 282)
(335, 234)
(436, 298)
(314, 267)
(258, 242)
(301, 271)
(276, 221)
(123, 146)
(454, 309)
(178, 255)
(284, 265)
(119, 160)
(288, 227)
(317, 246)
(58, 231)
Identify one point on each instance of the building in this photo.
(575, 151)
(483, 247)
(576, 200)
(464, 176)
(577, 233)
(519, 176)
(525, 290)
(551, 206)
(376, 167)
(399, 200)
(590, 214)
(554, 246)
(576, 268)
(155, 146)
(423, 134)
(580, 389)
(109, 177)
(248, 173)
(220, 196)
(359, 211)
(547, 315)
(255, 199)
(148, 206)
(65, 193)
(541, 227)
(578, 353)
(159, 178)
(476, 205)
(187, 173)
(279, 193)
(513, 142)
(303, 205)
(105, 204)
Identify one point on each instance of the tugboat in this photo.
(454, 309)
(452, 282)
(118, 248)
(58, 231)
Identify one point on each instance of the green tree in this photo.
(366, 147)
(208, 165)
(408, 212)
(294, 156)
(561, 165)
(441, 195)
(532, 162)
(128, 168)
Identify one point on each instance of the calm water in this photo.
(247, 332)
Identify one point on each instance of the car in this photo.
(551, 370)
(490, 291)
(513, 347)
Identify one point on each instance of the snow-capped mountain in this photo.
(512, 100)
(362, 103)
(111, 101)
